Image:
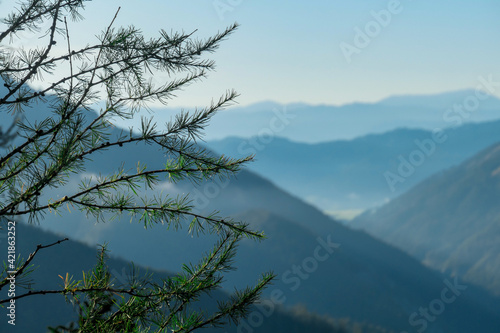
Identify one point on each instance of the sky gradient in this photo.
(294, 51)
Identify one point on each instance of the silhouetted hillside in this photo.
(450, 221)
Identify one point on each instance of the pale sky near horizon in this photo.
(312, 52)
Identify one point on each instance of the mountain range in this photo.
(364, 172)
(450, 221)
(323, 123)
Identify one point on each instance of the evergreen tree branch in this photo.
(19, 271)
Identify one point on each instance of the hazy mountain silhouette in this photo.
(450, 221)
(323, 123)
(439, 101)
(359, 173)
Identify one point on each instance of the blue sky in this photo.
(291, 51)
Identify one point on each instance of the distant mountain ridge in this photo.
(356, 174)
(441, 100)
(322, 123)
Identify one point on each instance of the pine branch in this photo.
(21, 269)
(120, 66)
